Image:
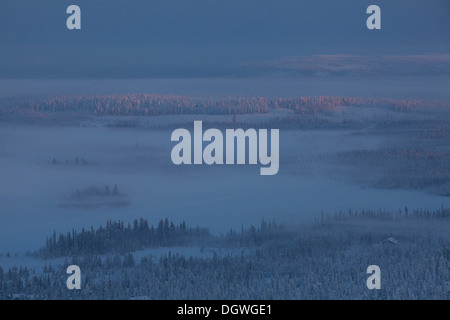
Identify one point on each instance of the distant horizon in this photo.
(199, 38)
(195, 67)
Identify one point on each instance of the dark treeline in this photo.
(156, 105)
(405, 214)
(117, 237)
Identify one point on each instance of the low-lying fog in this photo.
(39, 170)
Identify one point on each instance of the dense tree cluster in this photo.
(116, 237)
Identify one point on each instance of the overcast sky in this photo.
(168, 35)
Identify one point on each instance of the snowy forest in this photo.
(158, 105)
(323, 260)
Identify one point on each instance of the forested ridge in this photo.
(157, 105)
